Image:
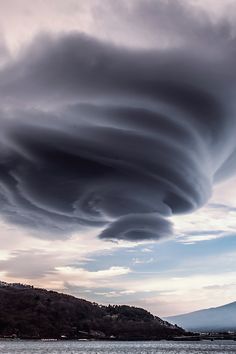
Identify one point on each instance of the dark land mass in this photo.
(31, 313)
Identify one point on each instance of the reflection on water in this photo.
(95, 347)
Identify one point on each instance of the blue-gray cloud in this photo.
(96, 135)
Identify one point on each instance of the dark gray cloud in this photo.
(138, 227)
(96, 135)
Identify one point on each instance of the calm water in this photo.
(74, 347)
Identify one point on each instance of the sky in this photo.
(118, 151)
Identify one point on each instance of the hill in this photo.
(28, 312)
(217, 319)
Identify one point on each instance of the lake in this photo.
(95, 347)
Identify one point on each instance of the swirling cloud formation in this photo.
(97, 135)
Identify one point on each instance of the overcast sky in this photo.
(118, 152)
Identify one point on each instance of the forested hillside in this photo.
(28, 312)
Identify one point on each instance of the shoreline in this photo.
(190, 339)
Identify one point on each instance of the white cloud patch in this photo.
(215, 220)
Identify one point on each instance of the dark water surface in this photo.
(94, 347)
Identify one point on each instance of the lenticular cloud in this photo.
(94, 135)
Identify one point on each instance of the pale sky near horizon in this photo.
(194, 268)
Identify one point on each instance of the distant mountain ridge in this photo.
(28, 312)
(222, 318)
